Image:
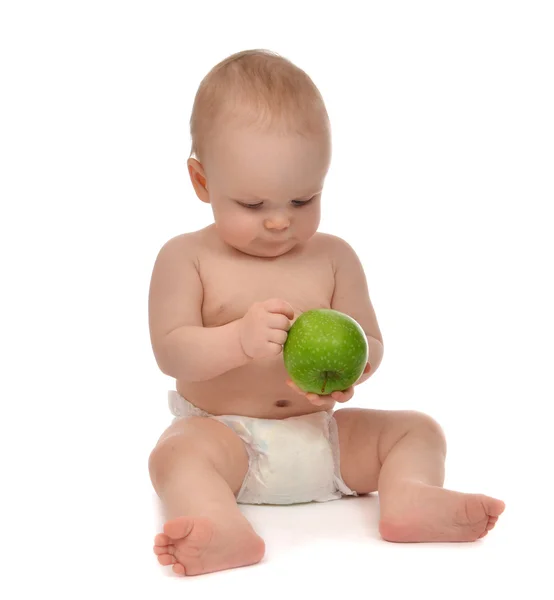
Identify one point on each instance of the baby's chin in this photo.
(262, 250)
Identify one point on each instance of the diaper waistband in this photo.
(180, 407)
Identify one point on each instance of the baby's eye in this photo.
(251, 205)
(301, 202)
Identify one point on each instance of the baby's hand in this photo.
(263, 329)
(330, 399)
(325, 401)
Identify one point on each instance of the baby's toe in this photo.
(162, 540)
(166, 559)
(178, 528)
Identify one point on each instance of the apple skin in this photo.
(325, 351)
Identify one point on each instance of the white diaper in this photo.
(290, 460)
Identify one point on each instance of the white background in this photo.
(442, 181)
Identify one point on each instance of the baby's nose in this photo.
(278, 223)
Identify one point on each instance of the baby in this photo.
(221, 302)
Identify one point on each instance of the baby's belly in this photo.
(258, 390)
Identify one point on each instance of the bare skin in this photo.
(243, 281)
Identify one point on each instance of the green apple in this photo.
(325, 351)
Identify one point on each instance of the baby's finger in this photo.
(275, 321)
(276, 305)
(315, 399)
(277, 336)
(320, 400)
(343, 396)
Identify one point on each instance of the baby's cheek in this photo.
(245, 229)
(236, 228)
(309, 225)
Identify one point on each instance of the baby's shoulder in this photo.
(327, 239)
(329, 243)
(336, 249)
(185, 244)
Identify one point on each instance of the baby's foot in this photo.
(425, 513)
(196, 545)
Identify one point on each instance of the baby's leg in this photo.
(196, 468)
(401, 454)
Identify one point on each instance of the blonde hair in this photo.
(258, 87)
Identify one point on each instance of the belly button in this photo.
(282, 403)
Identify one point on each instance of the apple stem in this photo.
(324, 382)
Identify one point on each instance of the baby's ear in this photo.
(198, 178)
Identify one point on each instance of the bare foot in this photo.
(425, 513)
(196, 545)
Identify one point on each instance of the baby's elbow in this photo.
(167, 370)
(176, 370)
(163, 360)
(163, 366)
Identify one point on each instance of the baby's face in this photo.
(265, 188)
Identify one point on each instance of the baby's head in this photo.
(261, 143)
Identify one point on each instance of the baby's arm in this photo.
(183, 348)
(351, 296)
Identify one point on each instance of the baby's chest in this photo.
(230, 288)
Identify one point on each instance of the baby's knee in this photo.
(181, 439)
(426, 425)
(199, 442)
